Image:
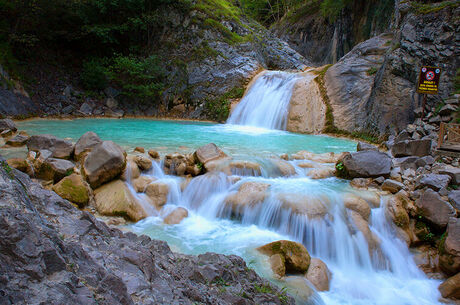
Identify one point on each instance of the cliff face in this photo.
(324, 40)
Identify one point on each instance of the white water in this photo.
(386, 275)
(266, 104)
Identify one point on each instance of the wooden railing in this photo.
(449, 135)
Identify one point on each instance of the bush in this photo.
(93, 75)
(139, 78)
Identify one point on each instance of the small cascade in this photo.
(266, 103)
(368, 263)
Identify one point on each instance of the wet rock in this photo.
(104, 163)
(321, 172)
(365, 146)
(295, 255)
(7, 124)
(86, 143)
(60, 148)
(139, 149)
(396, 210)
(431, 206)
(312, 207)
(115, 199)
(358, 205)
(365, 164)
(158, 193)
(358, 223)
(154, 154)
(249, 193)
(320, 158)
(433, 181)
(131, 171)
(277, 264)
(75, 189)
(176, 216)
(17, 141)
(319, 275)
(245, 168)
(418, 148)
(361, 183)
(141, 183)
(284, 168)
(392, 186)
(209, 152)
(143, 163)
(450, 288)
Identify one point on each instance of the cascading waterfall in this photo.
(362, 274)
(266, 104)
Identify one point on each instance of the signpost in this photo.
(428, 83)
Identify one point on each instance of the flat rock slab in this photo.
(392, 186)
(431, 206)
(418, 148)
(433, 181)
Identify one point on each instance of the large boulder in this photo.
(357, 204)
(7, 124)
(449, 260)
(364, 164)
(53, 169)
(295, 255)
(450, 288)
(249, 193)
(319, 275)
(453, 172)
(392, 186)
(311, 206)
(431, 206)
(418, 148)
(21, 165)
(358, 223)
(176, 216)
(115, 199)
(105, 162)
(74, 188)
(86, 143)
(60, 148)
(158, 193)
(454, 199)
(433, 181)
(208, 153)
(17, 141)
(141, 183)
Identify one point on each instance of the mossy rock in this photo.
(295, 255)
(74, 189)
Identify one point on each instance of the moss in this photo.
(123, 214)
(229, 36)
(7, 169)
(75, 193)
(426, 8)
(371, 71)
(442, 242)
(457, 82)
(303, 10)
(219, 109)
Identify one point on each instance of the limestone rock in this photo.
(366, 164)
(358, 205)
(115, 199)
(321, 172)
(154, 154)
(105, 162)
(450, 288)
(158, 193)
(176, 216)
(139, 149)
(320, 158)
(296, 257)
(141, 183)
(245, 168)
(433, 208)
(53, 169)
(277, 264)
(284, 168)
(86, 143)
(361, 183)
(392, 186)
(454, 199)
(396, 210)
(209, 152)
(312, 207)
(74, 188)
(360, 224)
(143, 163)
(60, 148)
(249, 193)
(319, 275)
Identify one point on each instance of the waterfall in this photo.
(266, 104)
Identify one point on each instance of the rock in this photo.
(60, 148)
(143, 163)
(318, 274)
(447, 109)
(454, 199)
(406, 162)
(176, 216)
(53, 169)
(433, 181)
(360, 224)
(433, 208)
(321, 173)
(86, 109)
(6, 133)
(365, 146)
(6, 124)
(365, 164)
(105, 162)
(141, 183)
(248, 194)
(158, 193)
(154, 154)
(139, 149)
(418, 148)
(379, 180)
(296, 257)
(312, 207)
(131, 171)
(450, 288)
(245, 168)
(17, 141)
(86, 143)
(453, 172)
(115, 199)
(320, 158)
(361, 183)
(452, 242)
(209, 152)
(392, 186)
(21, 165)
(358, 205)
(278, 265)
(284, 168)
(396, 210)
(75, 189)
(114, 113)
(111, 103)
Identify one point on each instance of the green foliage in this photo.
(268, 12)
(93, 75)
(426, 8)
(219, 109)
(332, 8)
(230, 37)
(457, 82)
(139, 78)
(371, 71)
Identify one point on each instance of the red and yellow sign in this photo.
(428, 80)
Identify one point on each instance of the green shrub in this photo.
(93, 75)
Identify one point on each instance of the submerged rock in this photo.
(158, 193)
(249, 193)
(176, 216)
